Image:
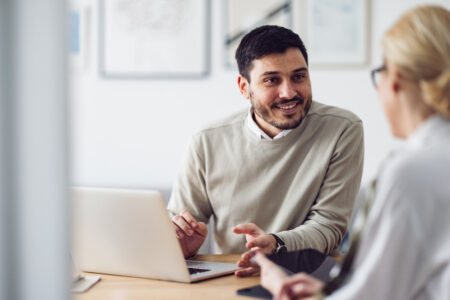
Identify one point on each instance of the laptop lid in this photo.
(129, 232)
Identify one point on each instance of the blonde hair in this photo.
(419, 44)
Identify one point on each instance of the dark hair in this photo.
(265, 40)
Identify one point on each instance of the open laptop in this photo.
(129, 232)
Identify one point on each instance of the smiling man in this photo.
(281, 92)
(281, 175)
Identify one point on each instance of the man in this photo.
(288, 166)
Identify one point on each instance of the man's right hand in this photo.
(190, 233)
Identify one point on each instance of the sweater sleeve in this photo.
(329, 215)
(189, 190)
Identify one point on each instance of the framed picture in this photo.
(243, 16)
(336, 32)
(79, 17)
(154, 39)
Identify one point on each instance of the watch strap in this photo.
(281, 246)
(277, 238)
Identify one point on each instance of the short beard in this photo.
(264, 114)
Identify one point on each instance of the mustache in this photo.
(298, 99)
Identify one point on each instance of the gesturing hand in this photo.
(190, 233)
(256, 239)
(298, 286)
(271, 275)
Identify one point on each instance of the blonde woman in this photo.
(404, 248)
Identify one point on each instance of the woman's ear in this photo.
(243, 86)
(395, 79)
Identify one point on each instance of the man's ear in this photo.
(243, 86)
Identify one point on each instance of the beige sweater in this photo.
(301, 186)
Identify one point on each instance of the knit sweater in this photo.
(301, 187)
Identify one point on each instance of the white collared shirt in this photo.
(259, 132)
(405, 246)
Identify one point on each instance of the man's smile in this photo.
(288, 106)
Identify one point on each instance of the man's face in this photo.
(279, 90)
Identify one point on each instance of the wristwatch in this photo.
(281, 246)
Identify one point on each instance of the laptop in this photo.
(129, 232)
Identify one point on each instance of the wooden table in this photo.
(129, 288)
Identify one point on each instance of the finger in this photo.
(285, 294)
(178, 231)
(302, 290)
(261, 242)
(302, 278)
(262, 260)
(183, 225)
(305, 285)
(300, 285)
(202, 229)
(189, 218)
(247, 272)
(248, 228)
(246, 262)
(247, 256)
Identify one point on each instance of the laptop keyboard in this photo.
(193, 271)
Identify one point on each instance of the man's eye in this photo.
(271, 80)
(298, 77)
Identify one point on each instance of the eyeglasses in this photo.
(376, 75)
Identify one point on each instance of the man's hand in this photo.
(190, 233)
(257, 239)
(298, 286)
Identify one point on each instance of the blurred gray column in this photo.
(34, 225)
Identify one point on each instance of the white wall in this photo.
(133, 133)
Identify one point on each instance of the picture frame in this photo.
(321, 24)
(243, 16)
(79, 19)
(154, 39)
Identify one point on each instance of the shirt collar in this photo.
(432, 127)
(251, 124)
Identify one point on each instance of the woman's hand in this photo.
(282, 286)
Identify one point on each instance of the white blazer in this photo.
(405, 246)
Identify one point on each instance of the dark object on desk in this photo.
(256, 291)
(309, 261)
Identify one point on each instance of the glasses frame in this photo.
(374, 73)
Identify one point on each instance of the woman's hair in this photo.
(419, 44)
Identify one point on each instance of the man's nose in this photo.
(287, 90)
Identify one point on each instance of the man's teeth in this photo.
(288, 107)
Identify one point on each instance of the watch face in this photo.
(281, 249)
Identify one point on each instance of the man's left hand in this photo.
(257, 239)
